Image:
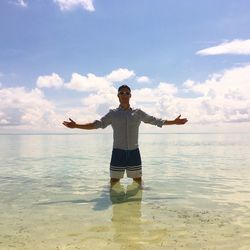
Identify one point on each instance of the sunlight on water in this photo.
(55, 195)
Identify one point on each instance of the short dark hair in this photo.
(123, 87)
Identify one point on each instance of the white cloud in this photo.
(93, 83)
(153, 94)
(222, 97)
(49, 81)
(88, 83)
(22, 3)
(166, 89)
(240, 47)
(94, 106)
(228, 82)
(1, 75)
(143, 79)
(66, 5)
(120, 75)
(100, 102)
(28, 109)
(152, 99)
(102, 94)
(188, 84)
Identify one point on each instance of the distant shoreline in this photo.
(110, 133)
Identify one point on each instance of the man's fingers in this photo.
(180, 121)
(65, 124)
(71, 120)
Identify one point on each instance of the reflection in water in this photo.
(126, 217)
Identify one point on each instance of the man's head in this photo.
(124, 94)
(122, 87)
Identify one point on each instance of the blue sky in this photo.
(186, 51)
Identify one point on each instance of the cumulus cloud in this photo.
(22, 108)
(222, 97)
(66, 5)
(22, 3)
(49, 81)
(93, 106)
(120, 75)
(99, 103)
(238, 47)
(188, 84)
(234, 80)
(153, 94)
(158, 101)
(93, 83)
(143, 79)
(101, 94)
(88, 83)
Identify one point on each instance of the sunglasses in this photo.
(124, 93)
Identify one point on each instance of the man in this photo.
(125, 122)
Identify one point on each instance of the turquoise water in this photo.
(55, 194)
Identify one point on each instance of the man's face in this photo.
(124, 96)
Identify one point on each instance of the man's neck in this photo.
(125, 106)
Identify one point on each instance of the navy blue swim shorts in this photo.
(129, 160)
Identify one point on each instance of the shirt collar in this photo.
(121, 108)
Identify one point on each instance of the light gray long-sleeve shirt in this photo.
(125, 124)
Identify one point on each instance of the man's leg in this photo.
(134, 169)
(117, 166)
(113, 181)
(138, 180)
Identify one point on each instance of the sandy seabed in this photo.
(54, 194)
(125, 224)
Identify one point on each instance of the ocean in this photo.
(55, 194)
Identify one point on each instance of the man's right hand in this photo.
(70, 124)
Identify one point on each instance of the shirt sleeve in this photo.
(104, 121)
(150, 119)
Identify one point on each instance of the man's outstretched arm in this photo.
(176, 121)
(73, 124)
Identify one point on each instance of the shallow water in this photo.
(54, 193)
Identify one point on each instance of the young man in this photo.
(125, 122)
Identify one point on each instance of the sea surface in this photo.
(55, 193)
